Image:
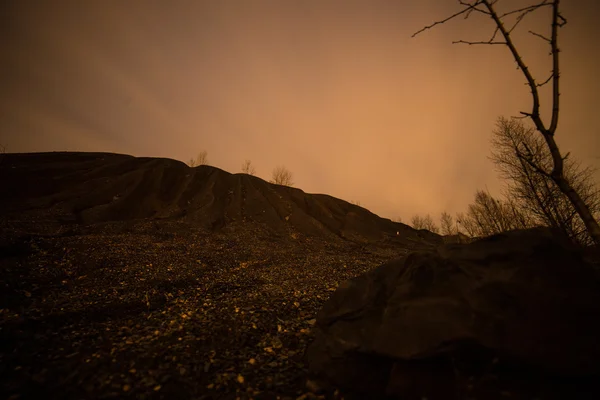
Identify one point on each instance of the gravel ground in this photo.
(155, 310)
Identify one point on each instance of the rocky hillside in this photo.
(101, 187)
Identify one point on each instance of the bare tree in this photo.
(282, 176)
(488, 216)
(467, 225)
(447, 224)
(417, 222)
(201, 159)
(430, 225)
(520, 218)
(425, 222)
(536, 194)
(556, 172)
(248, 168)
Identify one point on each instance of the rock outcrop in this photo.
(516, 314)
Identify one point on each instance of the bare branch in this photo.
(535, 114)
(494, 35)
(524, 10)
(540, 36)
(470, 8)
(546, 81)
(532, 164)
(470, 43)
(519, 19)
(555, 70)
(473, 7)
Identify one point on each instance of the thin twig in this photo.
(469, 7)
(470, 43)
(532, 164)
(525, 9)
(540, 36)
(494, 35)
(546, 81)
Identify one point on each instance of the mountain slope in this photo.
(101, 187)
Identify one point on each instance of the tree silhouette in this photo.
(447, 224)
(282, 176)
(248, 168)
(425, 222)
(547, 132)
(536, 194)
(201, 159)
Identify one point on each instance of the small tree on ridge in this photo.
(282, 176)
(248, 168)
(201, 159)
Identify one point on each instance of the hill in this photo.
(127, 277)
(87, 188)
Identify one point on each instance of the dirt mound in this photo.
(102, 187)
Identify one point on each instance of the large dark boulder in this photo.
(516, 314)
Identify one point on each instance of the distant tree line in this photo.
(530, 198)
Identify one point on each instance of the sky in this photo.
(336, 91)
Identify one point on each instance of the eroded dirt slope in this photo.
(126, 277)
(100, 187)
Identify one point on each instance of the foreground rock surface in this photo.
(163, 310)
(141, 278)
(511, 316)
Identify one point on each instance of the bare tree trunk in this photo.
(558, 21)
(548, 133)
(582, 209)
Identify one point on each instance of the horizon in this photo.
(342, 96)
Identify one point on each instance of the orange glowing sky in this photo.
(337, 91)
